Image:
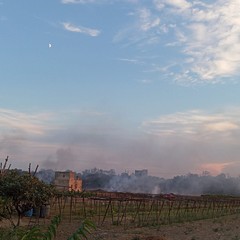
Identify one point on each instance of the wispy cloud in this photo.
(96, 1)
(180, 4)
(212, 40)
(40, 124)
(23, 122)
(146, 81)
(146, 20)
(209, 36)
(144, 30)
(79, 29)
(35, 137)
(195, 123)
(198, 140)
(92, 139)
(78, 1)
(22, 133)
(204, 36)
(130, 60)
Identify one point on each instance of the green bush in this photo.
(19, 192)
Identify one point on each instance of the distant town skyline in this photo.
(125, 85)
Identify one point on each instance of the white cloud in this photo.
(205, 32)
(128, 60)
(131, 60)
(34, 137)
(147, 21)
(195, 124)
(93, 139)
(211, 37)
(159, 4)
(146, 81)
(143, 31)
(79, 29)
(96, 1)
(23, 122)
(222, 126)
(197, 140)
(40, 124)
(181, 4)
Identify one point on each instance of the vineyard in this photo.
(125, 211)
(128, 209)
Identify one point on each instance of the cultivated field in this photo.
(137, 210)
(222, 228)
(142, 216)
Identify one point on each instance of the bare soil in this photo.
(223, 228)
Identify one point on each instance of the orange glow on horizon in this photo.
(214, 168)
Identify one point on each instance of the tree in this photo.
(20, 192)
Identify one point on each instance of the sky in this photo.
(121, 84)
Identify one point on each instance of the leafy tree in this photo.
(20, 192)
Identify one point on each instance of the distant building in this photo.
(141, 173)
(67, 181)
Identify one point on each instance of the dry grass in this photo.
(223, 228)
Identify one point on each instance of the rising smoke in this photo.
(190, 184)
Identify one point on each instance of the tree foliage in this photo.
(20, 192)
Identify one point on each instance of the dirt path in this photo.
(224, 228)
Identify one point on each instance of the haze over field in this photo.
(131, 84)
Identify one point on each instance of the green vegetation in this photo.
(86, 228)
(50, 233)
(36, 233)
(20, 192)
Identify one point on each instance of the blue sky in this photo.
(121, 84)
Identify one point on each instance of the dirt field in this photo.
(224, 228)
